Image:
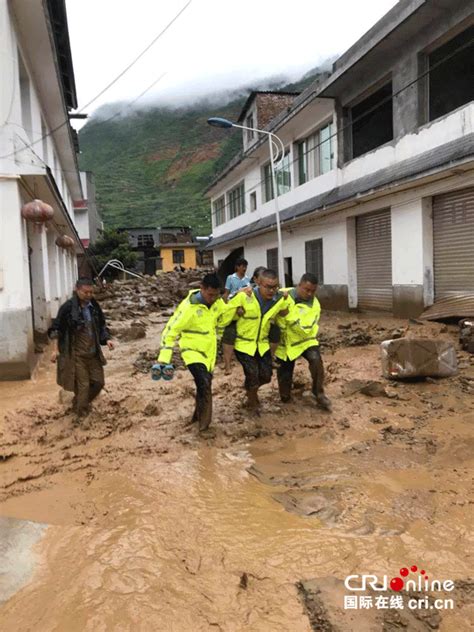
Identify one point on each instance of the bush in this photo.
(113, 245)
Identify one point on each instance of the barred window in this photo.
(272, 259)
(314, 258)
(236, 201)
(219, 211)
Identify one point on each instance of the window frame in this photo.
(367, 95)
(145, 240)
(253, 201)
(236, 201)
(249, 122)
(267, 181)
(176, 251)
(310, 154)
(314, 261)
(272, 259)
(219, 211)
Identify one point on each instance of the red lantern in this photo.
(37, 211)
(64, 241)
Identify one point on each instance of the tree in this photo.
(113, 245)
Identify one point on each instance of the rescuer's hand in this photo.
(246, 290)
(111, 344)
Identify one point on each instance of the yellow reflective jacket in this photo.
(299, 328)
(252, 327)
(197, 327)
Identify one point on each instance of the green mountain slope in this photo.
(152, 166)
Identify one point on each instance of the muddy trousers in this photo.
(257, 371)
(316, 368)
(89, 381)
(203, 380)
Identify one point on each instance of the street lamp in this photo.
(277, 153)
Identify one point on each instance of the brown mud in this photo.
(153, 527)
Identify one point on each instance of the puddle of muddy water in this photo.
(201, 544)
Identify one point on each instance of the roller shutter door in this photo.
(374, 261)
(453, 243)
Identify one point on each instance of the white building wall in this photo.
(81, 221)
(24, 250)
(332, 232)
(455, 125)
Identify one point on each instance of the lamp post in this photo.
(276, 149)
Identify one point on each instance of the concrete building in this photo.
(162, 248)
(87, 220)
(376, 189)
(37, 160)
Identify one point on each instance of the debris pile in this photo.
(125, 300)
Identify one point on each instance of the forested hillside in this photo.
(152, 166)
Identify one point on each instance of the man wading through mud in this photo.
(261, 306)
(299, 329)
(195, 321)
(78, 331)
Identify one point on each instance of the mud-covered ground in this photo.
(252, 527)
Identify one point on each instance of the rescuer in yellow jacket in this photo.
(259, 309)
(299, 330)
(196, 321)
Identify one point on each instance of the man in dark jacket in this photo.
(78, 331)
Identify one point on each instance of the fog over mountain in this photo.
(207, 94)
(153, 160)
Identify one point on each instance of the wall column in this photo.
(54, 273)
(40, 284)
(16, 327)
(412, 257)
(351, 262)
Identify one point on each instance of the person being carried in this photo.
(78, 332)
(196, 321)
(299, 339)
(260, 307)
(233, 284)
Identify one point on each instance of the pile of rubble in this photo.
(131, 299)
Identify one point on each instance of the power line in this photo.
(109, 85)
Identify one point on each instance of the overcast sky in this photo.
(214, 45)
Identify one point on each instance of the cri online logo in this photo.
(417, 583)
(397, 583)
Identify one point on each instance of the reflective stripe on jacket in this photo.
(252, 327)
(299, 328)
(197, 327)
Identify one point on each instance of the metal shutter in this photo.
(374, 260)
(314, 258)
(453, 243)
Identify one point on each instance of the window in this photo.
(219, 211)
(145, 240)
(315, 154)
(178, 256)
(249, 122)
(372, 121)
(272, 259)
(236, 201)
(314, 258)
(253, 201)
(283, 178)
(451, 82)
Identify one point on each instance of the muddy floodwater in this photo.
(134, 522)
